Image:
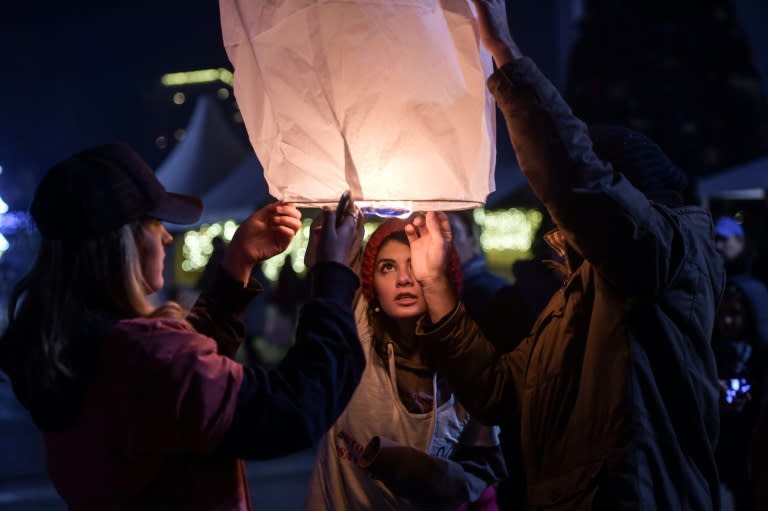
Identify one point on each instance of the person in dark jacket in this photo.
(740, 342)
(143, 407)
(731, 244)
(480, 283)
(615, 389)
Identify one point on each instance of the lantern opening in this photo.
(394, 208)
(386, 209)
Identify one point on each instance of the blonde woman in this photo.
(141, 407)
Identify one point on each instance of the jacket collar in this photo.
(569, 258)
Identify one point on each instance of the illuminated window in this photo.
(507, 235)
(198, 76)
(510, 229)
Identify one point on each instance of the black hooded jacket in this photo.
(615, 389)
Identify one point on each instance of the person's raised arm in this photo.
(264, 234)
(494, 31)
(452, 342)
(218, 311)
(208, 403)
(604, 215)
(291, 407)
(430, 239)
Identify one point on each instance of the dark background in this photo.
(78, 73)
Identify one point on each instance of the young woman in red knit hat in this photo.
(403, 442)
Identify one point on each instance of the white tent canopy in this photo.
(238, 195)
(209, 152)
(743, 181)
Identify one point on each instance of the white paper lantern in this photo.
(385, 98)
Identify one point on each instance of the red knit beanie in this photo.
(377, 239)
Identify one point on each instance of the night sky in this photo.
(74, 74)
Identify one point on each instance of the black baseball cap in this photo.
(101, 189)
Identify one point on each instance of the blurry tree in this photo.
(680, 71)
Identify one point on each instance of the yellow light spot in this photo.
(179, 98)
(197, 76)
(511, 229)
(229, 229)
(225, 75)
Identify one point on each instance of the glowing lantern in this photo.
(384, 98)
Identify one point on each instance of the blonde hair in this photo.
(135, 284)
(71, 282)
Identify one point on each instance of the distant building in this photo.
(169, 105)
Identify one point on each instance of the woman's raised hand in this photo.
(494, 30)
(264, 234)
(330, 240)
(430, 238)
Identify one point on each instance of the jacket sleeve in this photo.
(480, 456)
(429, 481)
(218, 311)
(289, 408)
(485, 381)
(607, 220)
(179, 394)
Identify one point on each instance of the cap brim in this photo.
(178, 209)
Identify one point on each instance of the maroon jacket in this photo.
(167, 416)
(151, 424)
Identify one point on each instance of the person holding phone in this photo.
(143, 407)
(615, 388)
(740, 342)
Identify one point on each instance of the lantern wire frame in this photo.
(392, 208)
